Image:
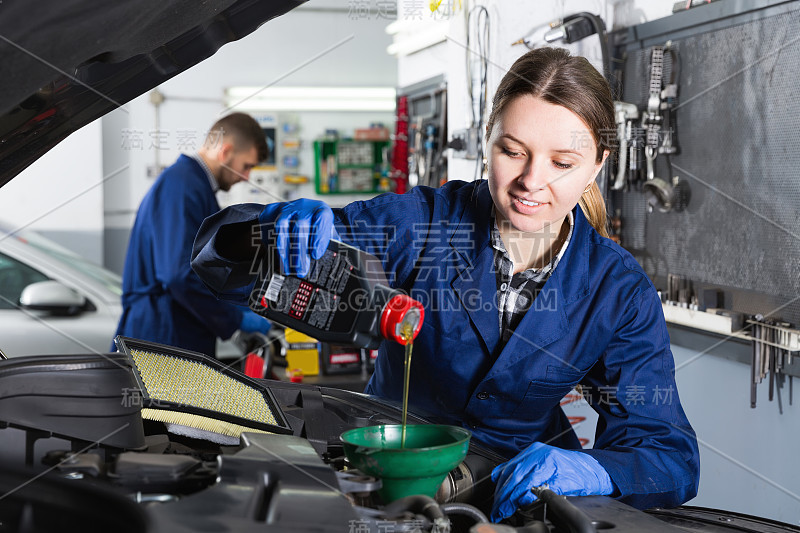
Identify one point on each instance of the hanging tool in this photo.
(480, 30)
(571, 29)
(786, 357)
(779, 362)
(772, 356)
(625, 114)
(764, 352)
(657, 191)
(671, 194)
(636, 135)
(755, 368)
(430, 151)
(533, 39)
(579, 26)
(773, 342)
(416, 162)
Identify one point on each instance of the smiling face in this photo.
(541, 159)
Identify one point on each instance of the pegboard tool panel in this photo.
(738, 127)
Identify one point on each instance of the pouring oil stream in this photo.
(407, 335)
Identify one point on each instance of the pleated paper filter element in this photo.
(192, 389)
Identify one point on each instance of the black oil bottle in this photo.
(345, 299)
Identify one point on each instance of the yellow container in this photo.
(302, 352)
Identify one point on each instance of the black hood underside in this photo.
(66, 63)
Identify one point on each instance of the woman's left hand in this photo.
(566, 472)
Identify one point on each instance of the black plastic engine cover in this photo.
(274, 483)
(38, 503)
(83, 397)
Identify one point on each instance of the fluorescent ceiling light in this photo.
(410, 36)
(311, 98)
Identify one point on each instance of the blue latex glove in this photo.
(254, 323)
(566, 472)
(304, 227)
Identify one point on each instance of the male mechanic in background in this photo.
(163, 300)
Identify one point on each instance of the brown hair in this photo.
(244, 132)
(555, 76)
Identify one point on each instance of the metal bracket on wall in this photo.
(729, 323)
(775, 345)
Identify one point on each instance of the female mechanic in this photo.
(524, 297)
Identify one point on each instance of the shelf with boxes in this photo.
(351, 166)
(307, 356)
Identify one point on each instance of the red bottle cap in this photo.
(399, 311)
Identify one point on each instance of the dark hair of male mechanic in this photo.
(233, 146)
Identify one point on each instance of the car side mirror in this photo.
(53, 297)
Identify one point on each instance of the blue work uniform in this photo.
(597, 322)
(163, 300)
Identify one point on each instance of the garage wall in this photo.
(321, 43)
(61, 194)
(747, 457)
(509, 21)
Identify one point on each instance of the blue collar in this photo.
(211, 179)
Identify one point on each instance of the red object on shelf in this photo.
(372, 134)
(254, 366)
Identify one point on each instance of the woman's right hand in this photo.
(303, 229)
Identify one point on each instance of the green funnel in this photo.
(431, 451)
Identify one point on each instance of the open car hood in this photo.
(67, 63)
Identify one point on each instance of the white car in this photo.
(53, 301)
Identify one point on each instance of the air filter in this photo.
(192, 389)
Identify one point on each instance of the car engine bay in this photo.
(75, 450)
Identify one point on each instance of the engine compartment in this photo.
(299, 481)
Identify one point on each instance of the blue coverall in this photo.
(597, 322)
(163, 300)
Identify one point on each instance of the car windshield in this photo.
(112, 281)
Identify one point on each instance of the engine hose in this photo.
(534, 527)
(562, 513)
(464, 509)
(419, 504)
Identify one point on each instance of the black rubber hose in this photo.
(534, 527)
(464, 509)
(563, 514)
(600, 29)
(417, 504)
(675, 68)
